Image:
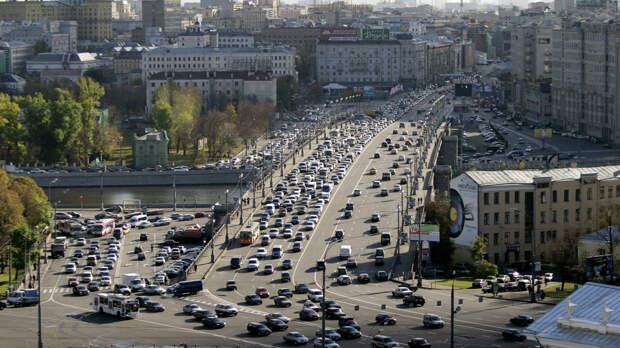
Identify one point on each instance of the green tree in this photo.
(186, 104)
(12, 132)
(484, 269)
(89, 95)
(306, 61)
(37, 210)
(66, 124)
(162, 115)
(37, 121)
(11, 213)
(286, 89)
(41, 47)
(478, 248)
(24, 239)
(437, 212)
(101, 75)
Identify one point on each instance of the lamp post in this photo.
(452, 311)
(254, 193)
(101, 187)
(174, 190)
(611, 244)
(40, 333)
(331, 242)
(227, 216)
(398, 229)
(240, 200)
(419, 272)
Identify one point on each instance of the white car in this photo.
(315, 295)
(295, 338)
(329, 342)
(308, 225)
(154, 290)
(548, 277)
(253, 264)
(70, 268)
(80, 242)
(274, 233)
(401, 291)
(105, 281)
(261, 253)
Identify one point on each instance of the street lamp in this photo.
(227, 216)
(419, 272)
(240, 199)
(331, 242)
(452, 311)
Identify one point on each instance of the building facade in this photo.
(150, 150)
(51, 66)
(164, 14)
(234, 85)
(585, 72)
(17, 53)
(554, 207)
(231, 39)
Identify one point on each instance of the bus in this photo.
(248, 234)
(102, 227)
(120, 306)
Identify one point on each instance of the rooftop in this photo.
(207, 50)
(158, 136)
(601, 236)
(219, 75)
(503, 177)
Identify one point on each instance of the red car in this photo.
(385, 319)
(308, 314)
(262, 292)
(200, 214)
(73, 282)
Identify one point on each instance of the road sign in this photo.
(541, 133)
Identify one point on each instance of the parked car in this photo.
(295, 337)
(419, 342)
(258, 329)
(522, 320)
(513, 335)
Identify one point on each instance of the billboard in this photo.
(427, 233)
(462, 89)
(463, 210)
(598, 268)
(339, 34)
(370, 92)
(543, 133)
(375, 34)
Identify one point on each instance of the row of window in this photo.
(542, 217)
(566, 195)
(203, 58)
(507, 218)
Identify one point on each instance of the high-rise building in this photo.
(164, 14)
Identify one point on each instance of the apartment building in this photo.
(555, 207)
(280, 61)
(231, 39)
(94, 17)
(234, 85)
(164, 14)
(585, 72)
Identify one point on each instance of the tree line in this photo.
(181, 113)
(24, 212)
(58, 127)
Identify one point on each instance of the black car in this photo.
(258, 329)
(78, 253)
(381, 275)
(348, 214)
(374, 229)
(142, 300)
(93, 286)
(349, 332)
(285, 292)
(141, 257)
(282, 301)
(320, 265)
(414, 300)
(80, 290)
(419, 342)
(276, 324)
(213, 322)
(522, 320)
(513, 335)
(348, 321)
(253, 300)
(137, 249)
(363, 278)
(287, 264)
(200, 314)
(301, 288)
(334, 313)
(154, 307)
(231, 285)
(379, 260)
(144, 237)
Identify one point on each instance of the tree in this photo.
(37, 210)
(12, 132)
(315, 93)
(11, 213)
(286, 89)
(65, 125)
(162, 115)
(437, 212)
(306, 61)
(101, 75)
(37, 121)
(24, 239)
(478, 248)
(564, 257)
(89, 96)
(484, 269)
(186, 104)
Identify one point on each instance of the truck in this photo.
(58, 250)
(129, 277)
(62, 240)
(24, 297)
(191, 232)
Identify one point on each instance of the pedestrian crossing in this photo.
(65, 290)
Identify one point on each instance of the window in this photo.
(486, 198)
(566, 195)
(602, 192)
(506, 197)
(495, 218)
(589, 214)
(565, 218)
(495, 197)
(486, 238)
(554, 216)
(517, 217)
(554, 196)
(543, 197)
(507, 217)
(495, 238)
(542, 217)
(506, 237)
(517, 198)
(610, 191)
(554, 234)
(589, 194)
(617, 190)
(517, 237)
(486, 218)
(542, 237)
(578, 195)
(577, 214)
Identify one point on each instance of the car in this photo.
(93, 286)
(278, 316)
(351, 263)
(348, 321)
(315, 295)
(287, 264)
(401, 291)
(225, 310)
(253, 264)
(348, 214)
(477, 283)
(276, 324)
(78, 253)
(200, 314)
(154, 290)
(384, 192)
(357, 192)
(295, 337)
(373, 229)
(160, 260)
(80, 290)
(344, 280)
(329, 343)
(419, 342)
(261, 253)
(349, 332)
(513, 335)
(80, 242)
(522, 320)
(382, 341)
(363, 278)
(375, 218)
(385, 319)
(253, 300)
(213, 322)
(381, 275)
(311, 305)
(105, 281)
(268, 269)
(308, 314)
(262, 292)
(301, 288)
(258, 329)
(414, 300)
(331, 334)
(144, 224)
(73, 282)
(282, 301)
(432, 321)
(376, 184)
(190, 307)
(285, 277)
(548, 277)
(154, 307)
(334, 313)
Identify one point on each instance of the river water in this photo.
(187, 196)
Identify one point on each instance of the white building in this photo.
(279, 61)
(51, 66)
(235, 40)
(235, 85)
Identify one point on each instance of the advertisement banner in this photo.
(462, 89)
(428, 233)
(598, 268)
(375, 34)
(339, 34)
(463, 210)
(543, 133)
(370, 92)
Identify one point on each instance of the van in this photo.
(187, 287)
(91, 260)
(385, 238)
(345, 252)
(138, 218)
(235, 262)
(386, 176)
(276, 252)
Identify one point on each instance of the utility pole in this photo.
(39, 304)
(452, 311)
(323, 310)
(611, 244)
(419, 272)
(174, 190)
(101, 187)
(10, 267)
(398, 230)
(253, 194)
(227, 216)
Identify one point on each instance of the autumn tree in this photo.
(12, 131)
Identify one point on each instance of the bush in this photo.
(484, 270)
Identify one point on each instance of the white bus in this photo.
(120, 306)
(102, 227)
